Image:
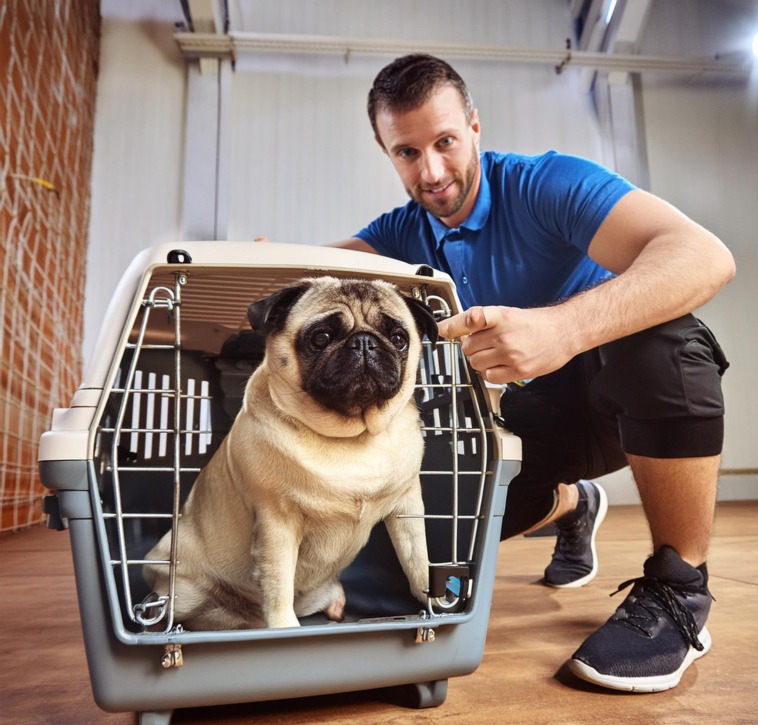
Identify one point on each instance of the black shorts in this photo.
(656, 393)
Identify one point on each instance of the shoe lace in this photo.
(571, 536)
(653, 595)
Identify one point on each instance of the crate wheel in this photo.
(431, 694)
(157, 717)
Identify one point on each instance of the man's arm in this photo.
(667, 265)
(354, 243)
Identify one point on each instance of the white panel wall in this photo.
(305, 167)
(702, 141)
(487, 22)
(139, 132)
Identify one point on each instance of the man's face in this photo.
(436, 153)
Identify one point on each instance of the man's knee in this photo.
(664, 386)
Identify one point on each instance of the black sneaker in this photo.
(574, 561)
(656, 634)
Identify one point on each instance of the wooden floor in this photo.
(523, 679)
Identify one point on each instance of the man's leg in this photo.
(563, 439)
(665, 386)
(565, 442)
(678, 497)
(565, 500)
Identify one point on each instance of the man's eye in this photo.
(320, 339)
(407, 153)
(445, 142)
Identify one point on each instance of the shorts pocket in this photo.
(702, 363)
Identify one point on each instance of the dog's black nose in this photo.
(363, 341)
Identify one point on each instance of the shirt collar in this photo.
(478, 216)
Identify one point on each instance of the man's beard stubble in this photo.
(448, 209)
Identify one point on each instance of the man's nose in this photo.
(432, 168)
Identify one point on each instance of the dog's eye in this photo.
(399, 340)
(320, 339)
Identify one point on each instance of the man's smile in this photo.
(438, 190)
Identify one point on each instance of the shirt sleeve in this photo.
(392, 234)
(570, 197)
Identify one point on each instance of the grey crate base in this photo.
(367, 656)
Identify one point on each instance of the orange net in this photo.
(48, 73)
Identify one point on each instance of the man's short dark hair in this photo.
(408, 82)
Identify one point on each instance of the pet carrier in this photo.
(159, 395)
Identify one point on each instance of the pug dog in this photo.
(327, 444)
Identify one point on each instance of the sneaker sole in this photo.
(601, 512)
(641, 684)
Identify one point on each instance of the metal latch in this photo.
(450, 586)
(424, 634)
(172, 656)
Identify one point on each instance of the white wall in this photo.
(139, 134)
(305, 168)
(702, 140)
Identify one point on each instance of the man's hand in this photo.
(507, 344)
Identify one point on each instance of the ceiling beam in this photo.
(214, 45)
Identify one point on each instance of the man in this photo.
(578, 287)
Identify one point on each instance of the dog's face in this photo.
(342, 354)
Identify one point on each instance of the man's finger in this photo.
(500, 375)
(464, 323)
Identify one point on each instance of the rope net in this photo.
(48, 73)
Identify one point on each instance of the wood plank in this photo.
(523, 678)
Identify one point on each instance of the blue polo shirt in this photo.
(524, 243)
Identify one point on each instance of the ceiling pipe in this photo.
(232, 45)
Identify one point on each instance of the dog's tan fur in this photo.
(295, 488)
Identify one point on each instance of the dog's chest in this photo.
(332, 534)
(346, 502)
(367, 465)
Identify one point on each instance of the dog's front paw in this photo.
(281, 620)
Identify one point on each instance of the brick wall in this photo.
(48, 71)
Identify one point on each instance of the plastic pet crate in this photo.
(159, 395)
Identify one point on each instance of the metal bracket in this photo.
(172, 657)
(450, 585)
(424, 634)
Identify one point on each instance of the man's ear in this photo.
(475, 125)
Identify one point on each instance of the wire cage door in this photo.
(170, 405)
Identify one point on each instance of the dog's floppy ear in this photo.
(269, 314)
(423, 316)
